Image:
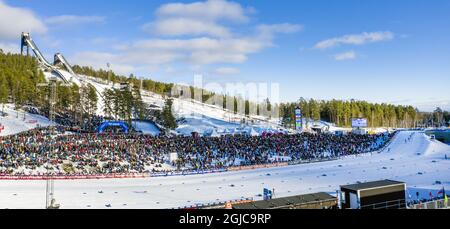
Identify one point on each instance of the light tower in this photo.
(50, 202)
(24, 43)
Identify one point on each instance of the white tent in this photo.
(253, 132)
(214, 133)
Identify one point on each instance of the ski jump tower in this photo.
(27, 43)
(59, 62)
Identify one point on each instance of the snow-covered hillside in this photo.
(419, 162)
(146, 128)
(19, 121)
(200, 117)
(206, 119)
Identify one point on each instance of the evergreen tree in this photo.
(167, 115)
(92, 99)
(108, 97)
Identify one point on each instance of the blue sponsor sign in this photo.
(298, 119)
(267, 194)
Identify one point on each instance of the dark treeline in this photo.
(238, 103)
(378, 115)
(23, 84)
(20, 75)
(336, 111)
(437, 118)
(124, 103)
(147, 84)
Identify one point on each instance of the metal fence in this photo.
(393, 204)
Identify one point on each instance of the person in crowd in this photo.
(54, 150)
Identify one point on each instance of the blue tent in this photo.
(123, 125)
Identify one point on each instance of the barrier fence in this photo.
(137, 175)
(393, 204)
(251, 167)
(219, 205)
(186, 173)
(72, 177)
(437, 204)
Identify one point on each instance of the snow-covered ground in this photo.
(418, 162)
(146, 128)
(19, 121)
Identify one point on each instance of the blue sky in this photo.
(395, 51)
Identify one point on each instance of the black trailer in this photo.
(383, 194)
(309, 201)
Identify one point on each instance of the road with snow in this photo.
(419, 162)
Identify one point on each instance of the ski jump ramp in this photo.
(27, 42)
(67, 75)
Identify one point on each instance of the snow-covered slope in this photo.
(201, 118)
(404, 160)
(146, 128)
(19, 121)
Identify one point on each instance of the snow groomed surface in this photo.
(411, 157)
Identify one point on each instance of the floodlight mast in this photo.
(50, 202)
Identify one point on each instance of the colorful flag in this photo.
(445, 200)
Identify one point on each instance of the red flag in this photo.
(431, 195)
(442, 191)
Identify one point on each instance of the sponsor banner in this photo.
(298, 119)
(251, 167)
(138, 175)
(186, 173)
(72, 177)
(359, 122)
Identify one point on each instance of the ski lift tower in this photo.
(50, 202)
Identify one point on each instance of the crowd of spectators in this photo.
(54, 150)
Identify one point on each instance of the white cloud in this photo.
(211, 10)
(9, 47)
(355, 39)
(350, 55)
(267, 32)
(14, 21)
(198, 18)
(99, 60)
(198, 51)
(64, 20)
(192, 34)
(186, 26)
(193, 51)
(227, 71)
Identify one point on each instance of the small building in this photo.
(309, 201)
(383, 194)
